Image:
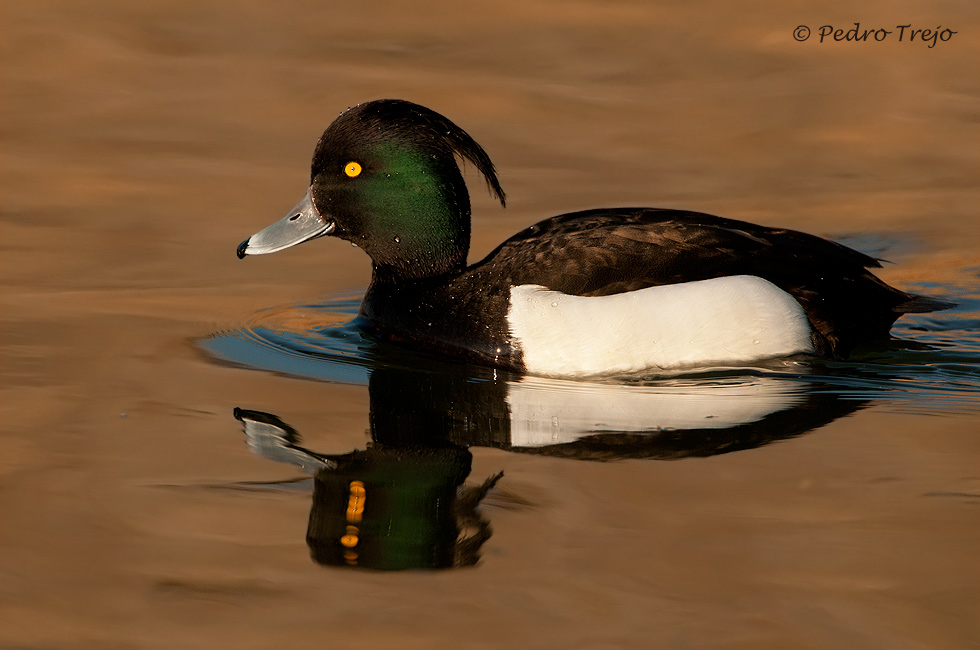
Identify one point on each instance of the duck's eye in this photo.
(352, 169)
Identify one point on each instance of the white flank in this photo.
(735, 319)
(546, 412)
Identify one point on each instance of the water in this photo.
(427, 412)
(804, 505)
(931, 364)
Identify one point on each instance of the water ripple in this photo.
(930, 366)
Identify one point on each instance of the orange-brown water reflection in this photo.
(143, 141)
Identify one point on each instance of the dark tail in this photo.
(922, 305)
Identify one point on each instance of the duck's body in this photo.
(593, 292)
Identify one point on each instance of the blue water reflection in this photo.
(931, 365)
(402, 501)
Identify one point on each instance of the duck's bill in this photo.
(303, 223)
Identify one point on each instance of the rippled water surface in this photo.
(931, 364)
(200, 451)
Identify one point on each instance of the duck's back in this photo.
(614, 251)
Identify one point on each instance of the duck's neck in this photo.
(415, 275)
(401, 305)
(424, 253)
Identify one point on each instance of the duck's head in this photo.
(385, 178)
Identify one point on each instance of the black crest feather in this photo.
(398, 118)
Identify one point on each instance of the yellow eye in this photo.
(352, 169)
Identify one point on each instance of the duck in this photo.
(608, 291)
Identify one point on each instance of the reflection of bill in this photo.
(385, 508)
(401, 503)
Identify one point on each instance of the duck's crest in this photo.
(414, 123)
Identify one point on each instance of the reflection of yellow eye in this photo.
(352, 169)
(349, 540)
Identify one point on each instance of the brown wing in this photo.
(603, 252)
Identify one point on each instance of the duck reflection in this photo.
(401, 502)
(391, 506)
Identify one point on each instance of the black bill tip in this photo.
(242, 247)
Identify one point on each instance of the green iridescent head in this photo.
(385, 178)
